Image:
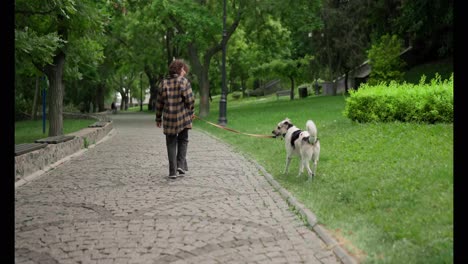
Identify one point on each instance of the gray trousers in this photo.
(177, 151)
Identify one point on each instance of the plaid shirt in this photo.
(176, 103)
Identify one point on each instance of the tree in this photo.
(428, 27)
(343, 39)
(241, 57)
(143, 42)
(285, 67)
(385, 60)
(196, 26)
(54, 25)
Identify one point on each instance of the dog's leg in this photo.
(286, 168)
(314, 167)
(301, 167)
(309, 171)
(315, 158)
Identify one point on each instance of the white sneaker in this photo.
(181, 172)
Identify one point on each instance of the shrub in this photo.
(22, 108)
(426, 103)
(236, 95)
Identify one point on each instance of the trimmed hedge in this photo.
(421, 103)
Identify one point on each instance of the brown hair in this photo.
(177, 65)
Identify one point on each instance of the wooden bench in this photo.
(23, 148)
(98, 124)
(283, 93)
(55, 139)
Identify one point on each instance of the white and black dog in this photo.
(304, 144)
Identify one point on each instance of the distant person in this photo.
(175, 110)
(113, 108)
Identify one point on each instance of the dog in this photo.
(304, 144)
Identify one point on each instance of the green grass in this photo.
(384, 190)
(29, 131)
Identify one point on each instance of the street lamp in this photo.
(222, 102)
(141, 93)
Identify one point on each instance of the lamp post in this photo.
(44, 105)
(141, 93)
(222, 102)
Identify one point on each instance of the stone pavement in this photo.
(115, 204)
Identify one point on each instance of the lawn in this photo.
(29, 130)
(384, 190)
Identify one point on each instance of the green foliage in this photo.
(85, 142)
(385, 61)
(424, 103)
(429, 22)
(49, 30)
(84, 59)
(28, 44)
(21, 107)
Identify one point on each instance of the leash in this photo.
(235, 131)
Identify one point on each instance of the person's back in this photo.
(175, 102)
(113, 108)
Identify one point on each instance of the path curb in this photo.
(49, 167)
(309, 217)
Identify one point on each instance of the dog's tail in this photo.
(312, 129)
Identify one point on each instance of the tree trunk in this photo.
(154, 80)
(243, 85)
(35, 104)
(346, 81)
(153, 96)
(204, 95)
(127, 97)
(292, 87)
(202, 73)
(54, 73)
(100, 96)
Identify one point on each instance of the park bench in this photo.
(55, 139)
(283, 93)
(23, 148)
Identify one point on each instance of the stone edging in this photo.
(310, 218)
(36, 162)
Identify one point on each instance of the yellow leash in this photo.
(235, 131)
